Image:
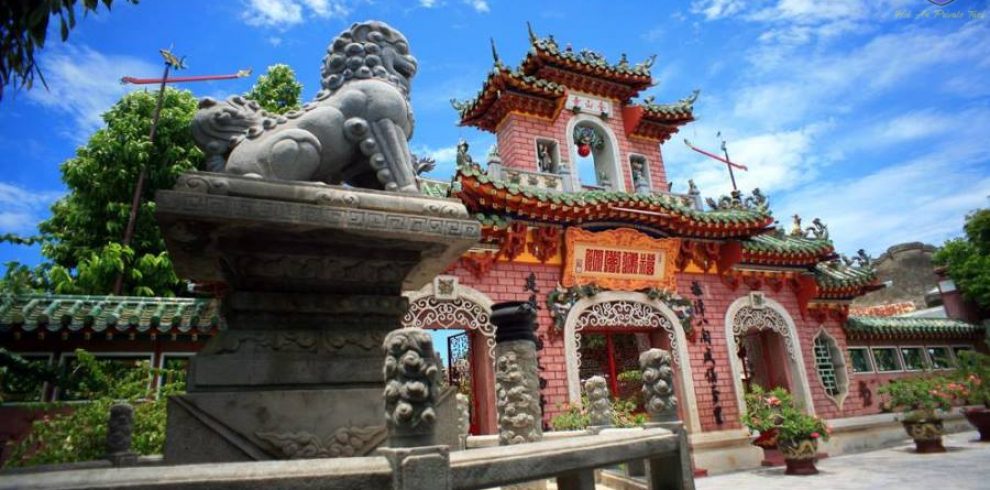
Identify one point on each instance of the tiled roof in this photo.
(883, 310)
(546, 53)
(110, 314)
(482, 194)
(544, 98)
(870, 327)
(779, 249)
(840, 281)
(682, 110)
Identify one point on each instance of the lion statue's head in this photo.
(367, 50)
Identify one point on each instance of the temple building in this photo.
(578, 218)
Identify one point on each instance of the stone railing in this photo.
(527, 178)
(415, 459)
(570, 461)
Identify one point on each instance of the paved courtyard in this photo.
(966, 465)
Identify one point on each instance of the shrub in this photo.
(575, 417)
(774, 415)
(919, 398)
(974, 374)
(80, 434)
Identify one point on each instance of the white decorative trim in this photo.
(657, 315)
(463, 308)
(749, 318)
(623, 314)
(839, 365)
(618, 176)
(786, 328)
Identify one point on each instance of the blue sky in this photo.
(871, 114)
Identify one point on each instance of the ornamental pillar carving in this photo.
(517, 384)
(411, 379)
(658, 385)
(120, 428)
(599, 405)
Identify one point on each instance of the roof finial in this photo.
(498, 62)
(532, 35)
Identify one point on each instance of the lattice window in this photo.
(831, 367)
(826, 369)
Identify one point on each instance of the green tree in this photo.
(277, 90)
(83, 234)
(967, 259)
(25, 27)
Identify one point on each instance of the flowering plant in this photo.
(921, 397)
(775, 416)
(974, 374)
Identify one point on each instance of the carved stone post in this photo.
(411, 378)
(120, 427)
(599, 405)
(463, 418)
(517, 384)
(658, 385)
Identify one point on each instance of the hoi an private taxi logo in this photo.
(941, 3)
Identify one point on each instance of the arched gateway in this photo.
(446, 304)
(615, 311)
(764, 349)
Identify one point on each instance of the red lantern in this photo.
(584, 150)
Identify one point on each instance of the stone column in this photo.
(599, 404)
(463, 418)
(411, 378)
(313, 276)
(120, 428)
(517, 384)
(658, 385)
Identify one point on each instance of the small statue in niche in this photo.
(544, 157)
(639, 173)
(463, 157)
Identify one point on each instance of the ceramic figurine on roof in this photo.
(355, 132)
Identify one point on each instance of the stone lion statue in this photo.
(356, 131)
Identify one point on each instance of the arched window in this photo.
(594, 156)
(831, 367)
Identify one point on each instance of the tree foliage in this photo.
(967, 259)
(25, 29)
(80, 434)
(82, 239)
(86, 226)
(277, 91)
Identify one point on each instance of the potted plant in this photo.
(974, 374)
(797, 439)
(763, 416)
(921, 399)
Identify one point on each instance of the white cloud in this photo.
(21, 209)
(717, 9)
(480, 6)
(83, 84)
(275, 41)
(285, 13)
(427, 3)
(924, 199)
(797, 22)
(811, 83)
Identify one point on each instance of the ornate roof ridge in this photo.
(548, 47)
(684, 107)
(483, 194)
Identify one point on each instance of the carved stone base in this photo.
(312, 276)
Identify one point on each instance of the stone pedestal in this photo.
(311, 277)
